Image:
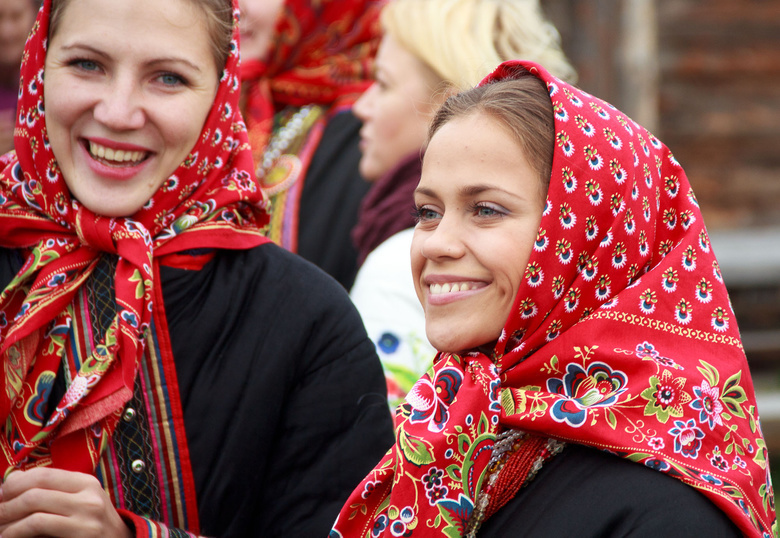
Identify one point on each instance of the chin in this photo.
(464, 337)
(461, 346)
(368, 172)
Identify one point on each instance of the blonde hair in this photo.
(464, 40)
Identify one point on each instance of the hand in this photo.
(7, 123)
(53, 502)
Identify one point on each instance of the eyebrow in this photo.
(468, 191)
(164, 59)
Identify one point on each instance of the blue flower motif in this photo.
(380, 524)
(388, 343)
(36, 407)
(646, 350)
(22, 311)
(658, 465)
(56, 280)
(432, 478)
(458, 511)
(130, 318)
(596, 386)
(712, 480)
(495, 395)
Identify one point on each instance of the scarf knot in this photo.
(104, 234)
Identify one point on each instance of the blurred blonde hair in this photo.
(464, 40)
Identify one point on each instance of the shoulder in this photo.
(275, 274)
(588, 492)
(266, 284)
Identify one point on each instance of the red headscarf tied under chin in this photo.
(621, 337)
(322, 53)
(211, 201)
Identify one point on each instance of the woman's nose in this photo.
(362, 107)
(445, 241)
(120, 107)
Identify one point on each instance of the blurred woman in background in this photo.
(430, 50)
(304, 63)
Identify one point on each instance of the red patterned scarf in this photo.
(211, 201)
(322, 55)
(622, 338)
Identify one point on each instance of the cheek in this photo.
(65, 101)
(388, 123)
(513, 264)
(417, 261)
(181, 126)
(60, 117)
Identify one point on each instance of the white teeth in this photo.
(118, 156)
(437, 289)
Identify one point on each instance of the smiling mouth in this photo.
(116, 157)
(440, 289)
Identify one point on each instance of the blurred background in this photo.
(704, 76)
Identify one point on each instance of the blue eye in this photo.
(484, 210)
(86, 65)
(422, 214)
(171, 79)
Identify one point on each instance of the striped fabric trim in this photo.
(146, 528)
(152, 444)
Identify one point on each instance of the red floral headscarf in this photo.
(322, 54)
(621, 337)
(211, 201)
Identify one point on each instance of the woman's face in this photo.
(479, 206)
(258, 22)
(126, 95)
(396, 109)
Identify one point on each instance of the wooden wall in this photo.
(704, 75)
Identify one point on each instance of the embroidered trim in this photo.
(517, 458)
(634, 319)
(155, 476)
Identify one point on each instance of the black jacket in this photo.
(283, 396)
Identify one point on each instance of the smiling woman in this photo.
(465, 289)
(156, 375)
(131, 114)
(584, 386)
